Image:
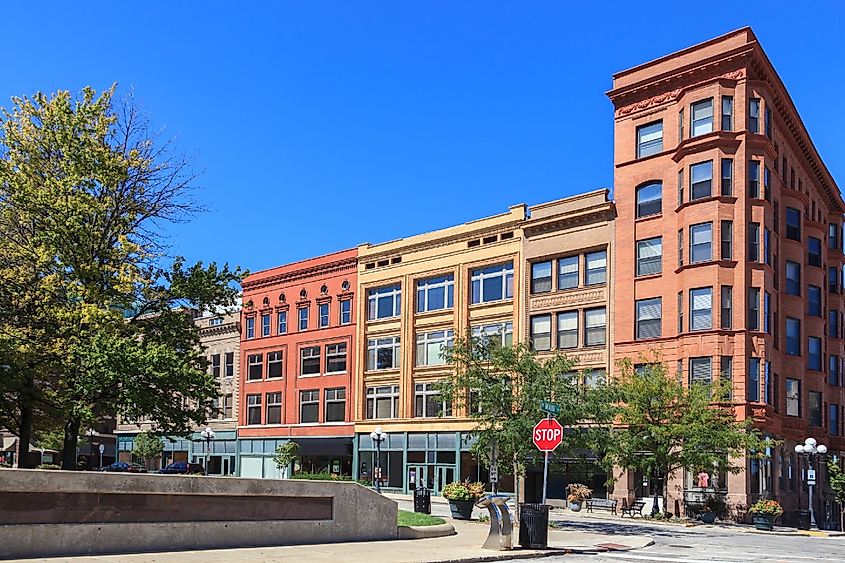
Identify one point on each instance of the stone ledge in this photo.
(422, 532)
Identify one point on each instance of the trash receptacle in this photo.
(422, 500)
(803, 520)
(534, 525)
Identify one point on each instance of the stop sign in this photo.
(548, 434)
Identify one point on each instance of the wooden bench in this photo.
(602, 504)
(636, 508)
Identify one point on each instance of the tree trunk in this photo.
(25, 433)
(665, 492)
(516, 489)
(69, 445)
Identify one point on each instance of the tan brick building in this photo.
(729, 251)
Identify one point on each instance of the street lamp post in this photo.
(92, 434)
(378, 437)
(809, 449)
(208, 436)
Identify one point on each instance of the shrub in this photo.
(766, 507)
(321, 476)
(463, 491)
(578, 492)
(47, 466)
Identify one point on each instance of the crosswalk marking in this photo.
(663, 557)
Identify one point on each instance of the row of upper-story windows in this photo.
(569, 272)
(303, 319)
(567, 329)
(334, 407)
(383, 402)
(487, 284)
(649, 137)
(311, 362)
(228, 367)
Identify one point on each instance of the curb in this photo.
(423, 532)
(519, 553)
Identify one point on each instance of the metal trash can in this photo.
(534, 525)
(803, 520)
(422, 500)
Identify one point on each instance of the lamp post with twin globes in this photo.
(810, 449)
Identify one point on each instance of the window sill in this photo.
(434, 312)
(384, 319)
(719, 198)
(308, 375)
(381, 371)
(719, 263)
(649, 276)
(482, 304)
(280, 378)
(432, 367)
(331, 373)
(254, 380)
(648, 217)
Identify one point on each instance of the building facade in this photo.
(220, 339)
(298, 353)
(729, 253)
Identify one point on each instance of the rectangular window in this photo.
(680, 247)
(649, 199)
(568, 272)
(250, 327)
(793, 224)
(680, 187)
(345, 311)
(727, 177)
(541, 277)
(265, 325)
(753, 308)
(384, 302)
(753, 242)
(832, 280)
(541, 332)
(309, 360)
(701, 113)
(701, 180)
(255, 367)
(253, 409)
(767, 184)
(833, 324)
(335, 409)
(567, 330)
(649, 139)
(700, 239)
(680, 312)
(753, 390)
(303, 318)
(833, 235)
(767, 246)
(727, 240)
(496, 334)
(814, 353)
(814, 301)
(727, 307)
(754, 115)
(793, 397)
(595, 326)
(680, 125)
(649, 317)
(701, 308)
(754, 178)
(383, 402)
(767, 312)
(793, 278)
(726, 374)
(323, 309)
(336, 358)
(383, 353)
(228, 406)
(492, 283)
(229, 364)
(427, 402)
(309, 406)
(432, 347)
(727, 113)
(814, 400)
(274, 364)
(282, 322)
(767, 121)
(596, 266)
(215, 365)
(814, 251)
(700, 371)
(274, 408)
(833, 419)
(833, 370)
(793, 336)
(649, 256)
(436, 294)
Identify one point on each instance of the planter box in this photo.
(461, 509)
(763, 521)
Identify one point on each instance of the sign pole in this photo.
(546, 469)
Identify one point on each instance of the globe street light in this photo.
(809, 449)
(208, 436)
(378, 437)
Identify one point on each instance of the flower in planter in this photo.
(463, 491)
(578, 492)
(766, 507)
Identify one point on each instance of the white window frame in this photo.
(445, 282)
(484, 275)
(650, 256)
(302, 313)
(279, 361)
(323, 311)
(266, 325)
(592, 326)
(250, 362)
(332, 397)
(281, 322)
(541, 332)
(253, 402)
(426, 394)
(309, 356)
(274, 404)
(566, 318)
(345, 311)
(693, 245)
(375, 345)
(375, 295)
(503, 331)
(701, 317)
(337, 350)
(381, 392)
(312, 393)
(444, 338)
(599, 272)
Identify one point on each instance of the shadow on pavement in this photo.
(620, 529)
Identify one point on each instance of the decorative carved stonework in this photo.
(650, 102)
(758, 413)
(573, 298)
(582, 358)
(735, 75)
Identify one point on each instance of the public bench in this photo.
(635, 508)
(602, 504)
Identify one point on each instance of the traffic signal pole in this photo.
(546, 468)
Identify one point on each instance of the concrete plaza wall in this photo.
(53, 513)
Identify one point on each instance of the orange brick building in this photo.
(729, 252)
(297, 357)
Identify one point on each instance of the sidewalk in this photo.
(463, 547)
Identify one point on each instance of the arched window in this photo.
(650, 199)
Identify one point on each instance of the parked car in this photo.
(125, 467)
(183, 468)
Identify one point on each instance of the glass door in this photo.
(445, 475)
(417, 476)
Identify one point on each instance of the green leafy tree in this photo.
(836, 478)
(147, 446)
(285, 455)
(662, 426)
(94, 313)
(500, 389)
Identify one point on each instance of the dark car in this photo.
(125, 467)
(183, 468)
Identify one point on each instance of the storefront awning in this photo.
(324, 446)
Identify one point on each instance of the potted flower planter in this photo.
(708, 517)
(578, 493)
(764, 522)
(461, 509)
(575, 506)
(763, 513)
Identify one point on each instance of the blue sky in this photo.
(320, 125)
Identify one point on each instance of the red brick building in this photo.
(729, 252)
(297, 357)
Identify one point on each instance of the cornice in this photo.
(600, 214)
(337, 266)
(219, 330)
